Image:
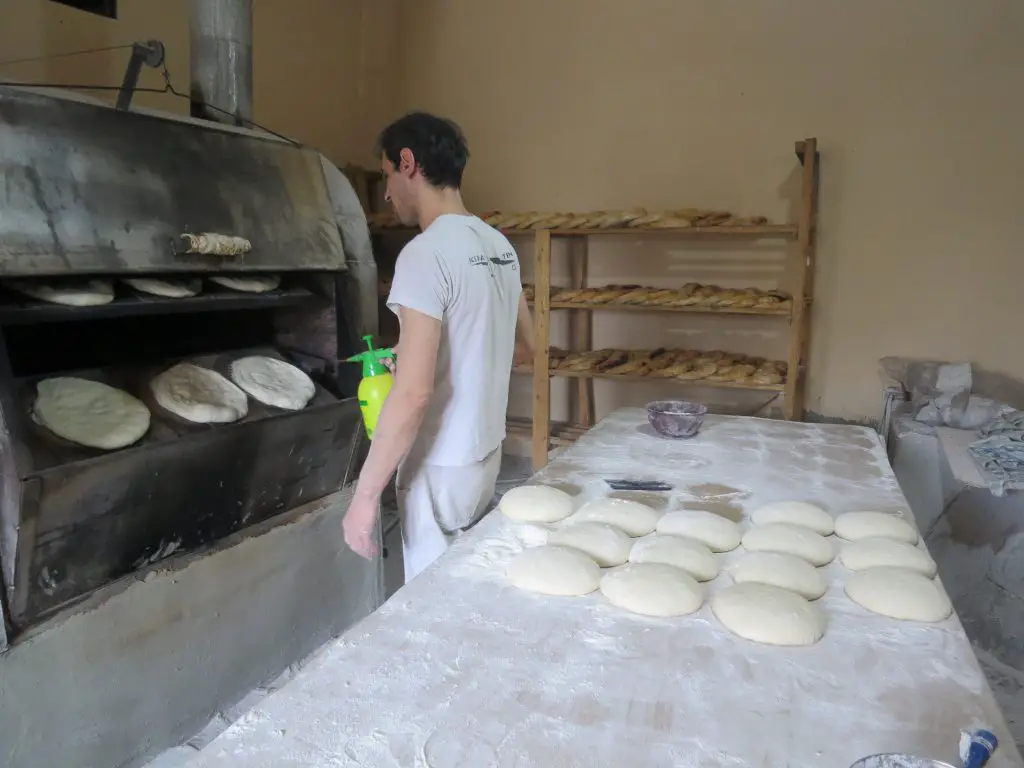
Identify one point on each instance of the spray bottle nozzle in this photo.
(372, 359)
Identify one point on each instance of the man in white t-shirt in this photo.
(458, 295)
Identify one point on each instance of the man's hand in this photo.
(360, 521)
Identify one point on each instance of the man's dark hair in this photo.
(437, 144)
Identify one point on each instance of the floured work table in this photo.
(460, 669)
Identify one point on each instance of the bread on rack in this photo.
(713, 366)
(628, 218)
(689, 295)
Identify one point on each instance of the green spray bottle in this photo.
(376, 383)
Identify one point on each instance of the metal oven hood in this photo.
(90, 190)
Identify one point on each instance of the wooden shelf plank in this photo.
(763, 230)
(670, 380)
(784, 312)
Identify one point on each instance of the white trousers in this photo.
(436, 503)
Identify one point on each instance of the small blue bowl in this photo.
(676, 418)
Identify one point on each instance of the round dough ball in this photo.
(853, 526)
(273, 382)
(90, 413)
(606, 544)
(690, 555)
(795, 513)
(553, 570)
(634, 518)
(767, 614)
(652, 589)
(779, 570)
(789, 540)
(199, 395)
(899, 594)
(714, 531)
(536, 504)
(877, 552)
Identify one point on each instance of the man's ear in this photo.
(406, 162)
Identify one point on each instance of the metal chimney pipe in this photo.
(220, 59)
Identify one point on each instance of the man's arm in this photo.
(402, 413)
(525, 343)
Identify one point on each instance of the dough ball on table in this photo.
(877, 552)
(634, 518)
(853, 526)
(199, 395)
(789, 540)
(554, 570)
(795, 513)
(536, 504)
(90, 413)
(714, 531)
(273, 382)
(767, 614)
(688, 554)
(779, 570)
(652, 589)
(606, 544)
(899, 594)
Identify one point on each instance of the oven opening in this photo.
(50, 348)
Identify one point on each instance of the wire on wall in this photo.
(66, 54)
(168, 87)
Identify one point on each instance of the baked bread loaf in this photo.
(635, 218)
(690, 295)
(714, 366)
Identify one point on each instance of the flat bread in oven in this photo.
(168, 289)
(199, 395)
(90, 413)
(248, 283)
(273, 382)
(71, 293)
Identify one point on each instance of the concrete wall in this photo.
(146, 664)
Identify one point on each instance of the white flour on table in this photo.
(461, 669)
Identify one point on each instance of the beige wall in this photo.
(311, 63)
(602, 103)
(576, 104)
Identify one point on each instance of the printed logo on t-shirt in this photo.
(507, 259)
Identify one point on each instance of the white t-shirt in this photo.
(465, 274)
